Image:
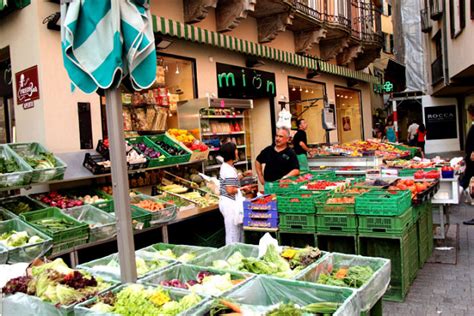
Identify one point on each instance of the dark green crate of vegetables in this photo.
(14, 172)
(20, 204)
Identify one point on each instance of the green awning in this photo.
(196, 34)
(8, 6)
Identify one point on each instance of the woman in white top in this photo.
(229, 187)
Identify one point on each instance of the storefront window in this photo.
(308, 109)
(349, 116)
(154, 110)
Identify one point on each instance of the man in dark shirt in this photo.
(469, 157)
(300, 145)
(280, 161)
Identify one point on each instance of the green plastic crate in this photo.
(68, 245)
(140, 218)
(422, 231)
(338, 242)
(156, 162)
(336, 223)
(172, 159)
(78, 231)
(14, 204)
(40, 175)
(337, 208)
(25, 253)
(178, 250)
(300, 202)
(417, 211)
(281, 188)
(296, 239)
(409, 172)
(159, 217)
(383, 203)
(6, 215)
(297, 222)
(429, 228)
(21, 177)
(397, 249)
(386, 224)
(102, 225)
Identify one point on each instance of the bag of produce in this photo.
(269, 296)
(369, 276)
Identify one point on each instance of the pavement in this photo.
(444, 289)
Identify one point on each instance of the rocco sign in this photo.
(27, 87)
(441, 122)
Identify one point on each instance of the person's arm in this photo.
(292, 173)
(304, 146)
(232, 190)
(258, 167)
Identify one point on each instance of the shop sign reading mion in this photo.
(27, 87)
(244, 83)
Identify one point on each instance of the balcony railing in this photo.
(366, 22)
(436, 9)
(425, 21)
(327, 11)
(437, 70)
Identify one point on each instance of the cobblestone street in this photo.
(444, 289)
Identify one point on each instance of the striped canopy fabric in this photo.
(104, 41)
(193, 33)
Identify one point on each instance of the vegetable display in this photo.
(206, 283)
(149, 205)
(18, 207)
(149, 152)
(355, 276)
(8, 165)
(171, 150)
(52, 225)
(202, 201)
(14, 239)
(56, 199)
(41, 160)
(175, 200)
(135, 299)
(174, 188)
(287, 265)
(57, 284)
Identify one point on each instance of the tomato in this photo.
(402, 186)
(409, 182)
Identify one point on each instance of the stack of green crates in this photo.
(387, 229)
(336, 218)
(425, 232)
(297, 212)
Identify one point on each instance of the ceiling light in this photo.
(312, 91)
(177, 69)
(346, 97)
(306, 90)
(301, 89)
(293, 89)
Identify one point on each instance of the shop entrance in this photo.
(348, 115)
(7, 114)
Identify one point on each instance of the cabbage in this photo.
(213, 285)
(221, 264)
(50, 294)
(165, 254)
(189, 301)
(170, 308)
(56, 265)
(185, 257)
(235, 260)
(272, 256)
(102, 307)
(67, 295)
(35, 239)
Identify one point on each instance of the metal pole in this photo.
(126, 246)
(395, 118)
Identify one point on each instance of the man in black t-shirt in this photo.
(469, 158)
(300, 145)
(280, 161)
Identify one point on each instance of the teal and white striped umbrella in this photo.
(104, 41)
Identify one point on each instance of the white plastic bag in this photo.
(264, 242)
(239, 211)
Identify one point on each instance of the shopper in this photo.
(300, 145)
(229, 187)
(412, 130)
(421, 138)
(279, 160)
(469, 157)
(390, 132)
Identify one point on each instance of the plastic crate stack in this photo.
(387, 228)
(261, 213)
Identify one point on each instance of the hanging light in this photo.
(306, 90)
(293, 89)
(177, 69)
(346, 97)
(312, 91)
(166, 68)
(301, 89)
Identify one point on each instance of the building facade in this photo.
(449, 31)
(313, 49)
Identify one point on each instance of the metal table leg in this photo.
(74, 257)
(164, 233)
(442, 223)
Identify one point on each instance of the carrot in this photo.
(341, 273)
(231, 305)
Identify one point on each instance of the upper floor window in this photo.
(457, 16)
(387, 43)
(387, 9)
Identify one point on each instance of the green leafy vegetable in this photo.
(8, 165)
(354, 277)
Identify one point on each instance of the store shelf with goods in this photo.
(223, 134)
(218, 148)
(228, 116)
(213, 167)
